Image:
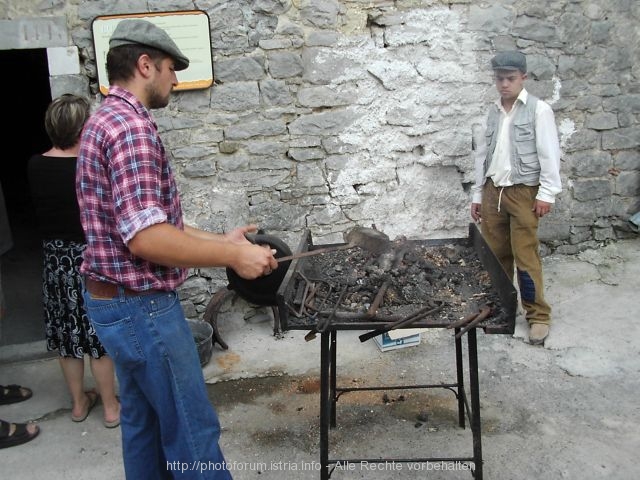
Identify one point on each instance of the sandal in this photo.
(19, 436)
(92, 395)
(113, 423)
(14, 394)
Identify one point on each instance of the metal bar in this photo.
(324, 322)
(463, 321)
(467, 408)
(475, 402)
(211, 315)
(448, 386)
(312, 334)
(344, 461)
(310, 298)
(333, 346)
(460, 375)
(409, 319)
(484, 313)
(324, 406)
(310, 305)
(393, 317)
(302, 299)
(377, 301)
(318, 251)
(423, 323)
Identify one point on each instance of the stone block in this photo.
(236, 96)
(627, 183)
(591, 189)
(285, 64)
(587, 163)
(602, 121)
(621, 138)
(240, 69)
(627, 159)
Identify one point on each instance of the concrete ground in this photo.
(567, 410)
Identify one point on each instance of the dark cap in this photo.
(509, 61)
(142, 32)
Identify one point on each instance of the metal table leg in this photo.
(475, 402)
(328, 400)
(333, 346)
(461, 394)
(325, 405)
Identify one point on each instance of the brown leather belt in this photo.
(101, 289)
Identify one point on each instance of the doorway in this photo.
(27, 95)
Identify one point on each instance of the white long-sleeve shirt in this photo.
(547, 146)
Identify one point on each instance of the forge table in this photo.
(468, 401)
(468, 404)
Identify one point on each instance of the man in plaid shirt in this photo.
(138, 252)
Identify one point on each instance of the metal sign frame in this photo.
(190, 30)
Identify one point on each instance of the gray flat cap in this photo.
(511, 60)
(142, 32)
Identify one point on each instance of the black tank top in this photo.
(52, 181)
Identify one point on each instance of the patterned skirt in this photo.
(67, 326)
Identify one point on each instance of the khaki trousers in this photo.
(510, 228)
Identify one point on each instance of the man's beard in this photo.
(155, 99)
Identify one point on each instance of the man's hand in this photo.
(253, 261)
(541, 208)
(237, 234)
(475, 212)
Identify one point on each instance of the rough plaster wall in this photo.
(413, 95)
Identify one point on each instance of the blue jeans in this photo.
(169, 427)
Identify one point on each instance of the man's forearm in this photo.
(167, 245)
(203, 234)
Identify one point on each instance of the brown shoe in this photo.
(538, 332)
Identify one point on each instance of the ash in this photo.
(414, 274)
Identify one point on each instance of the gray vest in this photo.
(525, 166)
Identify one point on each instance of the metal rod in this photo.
(312, 334)
(333, 368)
(378, 298)
(318, 251)
(356, 461)
(324, 406)
(475, 402)
(377, 301)
(324, 322)
(414, 317)
(463, 321)
(484, 313)
(447, 386)
(460, 375)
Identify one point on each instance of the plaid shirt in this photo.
(124, 184)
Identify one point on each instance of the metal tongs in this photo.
(369, 239)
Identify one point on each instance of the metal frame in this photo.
(502, 322)
(330, 393)
(328, 326)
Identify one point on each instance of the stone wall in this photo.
(326, 113)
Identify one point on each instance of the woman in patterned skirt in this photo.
(52, 183)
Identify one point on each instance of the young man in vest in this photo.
(517, 166)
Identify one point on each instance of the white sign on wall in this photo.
(189, 29)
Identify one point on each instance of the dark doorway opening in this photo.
(26, 95)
